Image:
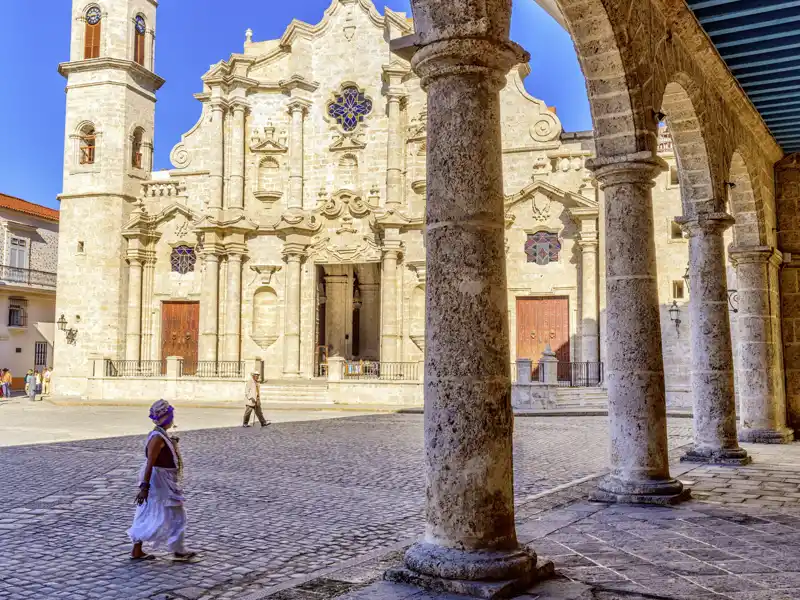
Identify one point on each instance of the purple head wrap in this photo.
(161, 413)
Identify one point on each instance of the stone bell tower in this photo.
(111, 95)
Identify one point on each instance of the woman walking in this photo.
(160, 518)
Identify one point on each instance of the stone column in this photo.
(297, 109)
(133, 333)
(637, 409)
(236, 191)
(712, 354)
(470, 544)
(291, 334)
(759, 369)
(389, 305)
(209, 306)
(216, 153)
(395, 151)
(590, 336)
(233, 309)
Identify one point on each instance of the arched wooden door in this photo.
(541, 321)
(180, 329)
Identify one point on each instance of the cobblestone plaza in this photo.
(263, 507)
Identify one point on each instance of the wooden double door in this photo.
(541, 321)
(180, 333)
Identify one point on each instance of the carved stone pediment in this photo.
(265, 142)
(341, 202)
(265, 272)
(348, 141)
(352, 250)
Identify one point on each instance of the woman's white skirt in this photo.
(161, 521)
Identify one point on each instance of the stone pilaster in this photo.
(297, 109)
(637, 410)
(133, 332)
(389, 330)
(712, 355)
(233, 308)
(588, 243)
(759, 374)
(470, 544)
(293, 254)
(216, 153)
(209, 304)
(236, 182)
(395, 93)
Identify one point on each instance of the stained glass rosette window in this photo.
(140, 25)
(542, 247)
(93, 16)
(183, 259)
(350, 108)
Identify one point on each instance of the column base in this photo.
(664, 492)
(730, 456)
(767, 436)
(480, 574)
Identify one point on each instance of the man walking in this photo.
(252, 398)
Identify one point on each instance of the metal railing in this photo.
(384, 371)
(135, 368)
(223, 369)
(579, 374)
(45, 279)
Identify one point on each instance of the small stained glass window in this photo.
(350, 108)
(140, 25)
(183, 259)
(93, 15)
(542, 247)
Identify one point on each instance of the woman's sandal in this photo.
(144, 557)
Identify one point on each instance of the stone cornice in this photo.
(93, 64)
(298, 82)
(755, 254)
(569, 199)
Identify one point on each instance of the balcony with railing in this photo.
(27, 277)
(382, 371)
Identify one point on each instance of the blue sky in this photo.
(32, 97)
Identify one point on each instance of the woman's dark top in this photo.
(165, 460)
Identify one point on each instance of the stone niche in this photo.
(265, 317)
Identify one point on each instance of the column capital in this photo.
(136, 256)
(235, 252)
(755, 254)
(706, 223)
(239, 105)
(588, 243)
(640, 167)
(468, 56)
(298, 105)
(294, 251)
(392, 249)
(218, 104)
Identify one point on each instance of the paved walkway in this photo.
(740, 542)
(264, 506)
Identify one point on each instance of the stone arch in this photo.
(347, 172)
(621, 124)
(268, 175)
(691, 154)
(744, 206)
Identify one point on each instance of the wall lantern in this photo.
(71, 333)
(356, 299)
(675, 315)
(733, 301)
(321, 299)
(686, 278)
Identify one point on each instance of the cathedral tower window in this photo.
(140, 27)
(91, 45)
(183, 259)
(136, 148)
(542, 247)
(87, 145)
(349, 108)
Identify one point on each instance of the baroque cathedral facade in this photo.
(290, 232)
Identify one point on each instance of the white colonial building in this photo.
(289, 235)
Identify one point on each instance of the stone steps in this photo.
(310, 392)
(582, 398)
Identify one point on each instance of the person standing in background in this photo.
(30, 385)
(48, 374)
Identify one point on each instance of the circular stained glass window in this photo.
(140, 25)
(350, 108)
(93, 16)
